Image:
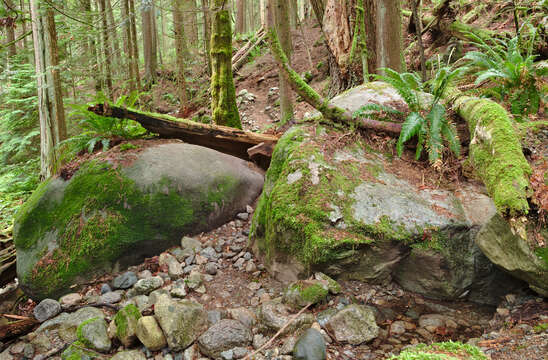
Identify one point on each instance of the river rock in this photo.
(146, 286)
(310, 346)
(354, 324)
(129, 355)
(46, 309)
(224, 335)
(124, 325)
(393, 228)
(125, 280)
(150, 334)
(93, 334)
(299, 293)
(273, 315)
(124, 211)
(182, 321)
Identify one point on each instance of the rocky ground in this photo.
(210, 298)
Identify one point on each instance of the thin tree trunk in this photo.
(223, 94)
(106, 49)
(417, 19)
(191, 24)
(389, 34)
(207, 33)
(148, 42)
(370, 7)
(10, 29)
(155, 45)
(113, 30)
(319, 8)
(128, 63)
(280, 10)
(23, 23)
(240, 16)
(134, 45)
(50, 102)
(180, 52)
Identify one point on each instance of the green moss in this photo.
(128, 146)
(77, 351)
(79, 332)
(540, 327)
(442, 351)
(313, 293)
(121, 319)
(496, 154)
(102, 215)
(542, 253)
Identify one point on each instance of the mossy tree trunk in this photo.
(280, 11)
(495, 152)
(223, 93)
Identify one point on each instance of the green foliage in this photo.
(377, 112)
(19, 138)
(510, 65)
(97, 130)
(441, 351)
(429, 126)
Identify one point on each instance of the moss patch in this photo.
(442, 351)
(130, 313)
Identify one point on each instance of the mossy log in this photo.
(329, 111)
(7, 263)
(222, 138)
(495, 152)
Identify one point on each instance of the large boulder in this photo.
(355, 213)
(120, 207)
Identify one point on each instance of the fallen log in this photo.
(17, 328)
(239, 62)
(222, 138)
(7, 264)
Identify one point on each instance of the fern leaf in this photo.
(411, 127)
(435, 119)
(450, 135)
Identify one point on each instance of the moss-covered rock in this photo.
(117, 209)
(445, 350)
(78, 351)
(299, 293)
(343, 211)
(124, 325)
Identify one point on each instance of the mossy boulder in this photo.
(518, 253)
(301, 292)
(121, 207)
(445, 350)
(351, 213)
(124, 325)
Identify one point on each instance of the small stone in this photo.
(431, 322)
(124, 324)
(236, 248)
(243, 315)
(146, 286)
(188, 243)
(145, 274)
(105, 288)
(248, 256)
(397, 328)
(201, 289)
(190, 259)
(194, 280)
(302, 292)
(227, 355)
(70, 300)
(93, 333)
(211, 268)
(141, 301)
(209, 253)
(239, 263)
(333, 286)
(254, 286)
(250, 267)
(150, 334)
(249, 209)
(354, 324)
(213, 316)
(129, 355)
(310, 346)
(200, 260)
(46, 309)
(188, 269)
(243, 216)
(504, 312)
(259, 340)
(239, 352)
(222, 336)
(178, 289)
(112, 297)
(124, 281)
(174, 267)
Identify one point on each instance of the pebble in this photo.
(211, 268)
(112, 297)
(46, 309)
(70, 300)
(239, 263)
(254, 286)
(124, 281)
(146, 286)
(105, 288)
(243, 216)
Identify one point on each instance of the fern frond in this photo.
(450, 135)
(411, 127)
(435, 120)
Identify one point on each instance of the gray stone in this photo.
(259, 340)
(141, 301)
(124, 325)
(112, 297)
(209, 253)
(243, 216)
(194, 280)
(299, 293)
(227, 355)
(178, 289)
(182, 321)
(214, 316)
(146, 286)
(211, 268)
(150, 334)
(239, 352)
(125, 280)
(224, 335)
(355, 324)
(70, 300)
(46, 309)
(310, 346)
(105, 288)
(93, 333)
(174, 267)
(129, 355)
(169, 188)
(333, 286)
(273, 315)
(243, 315)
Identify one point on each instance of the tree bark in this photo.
(10, 30)
(191, 23)
(106, 49)
(207, 33)
(50, 101)
(319, 8)
(222, 138)
(128, 45)
(389, 35)
(113, 29)
(180, 52)
(134, 46)
(240, 16)
(148, 42)
(280, 9)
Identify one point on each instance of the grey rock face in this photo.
(93, 333)
(46, 309)
(224, 335)
(146, 286)
(310, 346)
(182, 321)
(125, 280)
(355, 324)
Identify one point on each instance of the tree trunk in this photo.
(280, 9)
(128, 45)
(389, 35)
(113, 29)
(106, 49)
(240, 16)
(148, 42)
(10, 29)
(191, 23)
(180, 53)
(134, 45)
(207, 33)
(262, 10)
(23, 23)
(50, 101)
(223, 92)
(370, 31)
(156, 49)
(319, 9)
